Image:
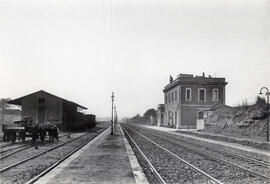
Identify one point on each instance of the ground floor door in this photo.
(41, 115)
(200, 121)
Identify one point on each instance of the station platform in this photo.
(106, 159)
(260, 154)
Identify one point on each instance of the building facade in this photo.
(43, 107)
(186, 98)
(161, 115)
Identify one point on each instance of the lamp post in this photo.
(267, 94)
(112, 114)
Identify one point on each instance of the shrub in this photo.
(260, 101)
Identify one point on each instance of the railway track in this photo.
(11, 149)
(18, 143)
(257, 167)
(217, 170)
(172, 162)
(6, 145)
(13, 172)
(18, 149)
(36, 155)
(206, 146)
(36, 178)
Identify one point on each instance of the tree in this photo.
(3, 106)
(3, 102)
(150, 112)
(260, 101)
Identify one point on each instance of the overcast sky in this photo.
(83, 50)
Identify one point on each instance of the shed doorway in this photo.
(41, 115)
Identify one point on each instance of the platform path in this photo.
(108, 159)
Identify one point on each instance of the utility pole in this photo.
(112, 114)
(115, 116)
(267, 94)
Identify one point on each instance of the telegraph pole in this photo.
(112, 114)
(115, 116)
(267, 94)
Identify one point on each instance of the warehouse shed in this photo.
(44, 107)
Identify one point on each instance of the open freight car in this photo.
(82, 122)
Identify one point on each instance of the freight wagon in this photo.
(82, 122)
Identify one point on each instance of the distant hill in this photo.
(124, 119)
(137, 120)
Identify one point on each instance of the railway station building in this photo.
(188, 97)
(160, 115)
(43, 107)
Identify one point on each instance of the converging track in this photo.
(26, 167)
(11, 149)
(8, 152)
(175, 161)
(17, 149)
(257, 167)
(8, 144)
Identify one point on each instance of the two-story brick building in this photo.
(186, 98)
(160, 115)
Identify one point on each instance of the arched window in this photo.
(202, 95)
(215, 95)
(188, 94)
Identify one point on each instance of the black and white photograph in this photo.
(134, 91)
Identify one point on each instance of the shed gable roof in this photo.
(18, 101)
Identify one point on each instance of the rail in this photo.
(36, 178)
(254, 173)
(182, 160)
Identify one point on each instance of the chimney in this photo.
(203, 74)
(171, 79)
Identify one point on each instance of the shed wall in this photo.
(52, 106)
(70, 116)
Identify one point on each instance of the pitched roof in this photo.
(18, 101)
